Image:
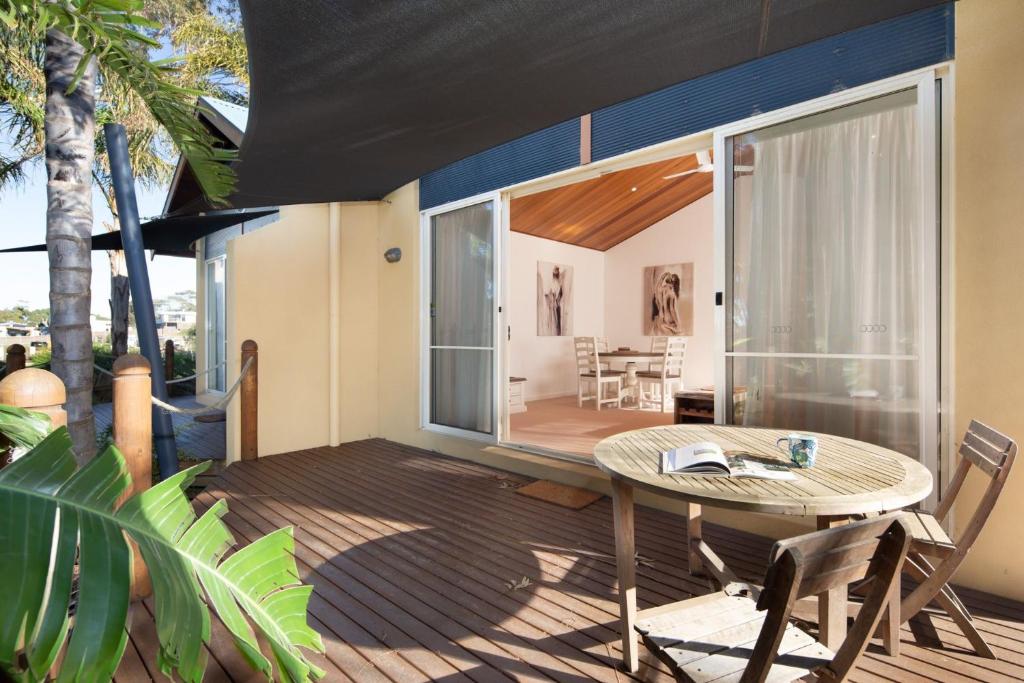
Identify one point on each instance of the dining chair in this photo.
(657, 346)
(590, 373)
(602, 347)
(745, 634)
(657, 386)
(993, 453)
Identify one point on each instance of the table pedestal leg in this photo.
(833, 603)
(694, 537)
(625, 561)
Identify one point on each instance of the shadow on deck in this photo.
(425, 567)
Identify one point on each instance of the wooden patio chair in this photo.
(589, 372)
(730, 636)
(993, 453)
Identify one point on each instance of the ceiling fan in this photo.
(704, 165)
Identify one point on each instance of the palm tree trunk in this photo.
(119, 299)
(69, 125)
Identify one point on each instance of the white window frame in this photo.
(934, 428)
(498, 379)
(209, 320)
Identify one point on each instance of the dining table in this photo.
(630, 358)
(850, 478)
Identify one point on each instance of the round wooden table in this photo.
(850, 478)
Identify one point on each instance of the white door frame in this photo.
(933, 447)
(496, 348)
(209, 320)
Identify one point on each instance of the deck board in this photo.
(414, 558)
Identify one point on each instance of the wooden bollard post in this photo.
(37, 390)
(249, 399)
(133, 436)
(169, 362)
(14, 359)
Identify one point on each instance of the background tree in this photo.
(206, 42)
(76, 40)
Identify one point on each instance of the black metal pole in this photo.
(138, 285)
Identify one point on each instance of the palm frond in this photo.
(53, 510)
(21, 427)
(111, 31)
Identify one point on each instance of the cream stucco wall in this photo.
(276, 295)
(359, 315)
(989, 246)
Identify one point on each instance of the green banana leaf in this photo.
(21, 427)
(54, 512)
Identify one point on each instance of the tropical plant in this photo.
(57, 516)
(22, 428)
(72, 39)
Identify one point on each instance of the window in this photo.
(216, 330)
(831, 279)
(460, 314)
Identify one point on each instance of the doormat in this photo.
(566, 496)
(218, 416)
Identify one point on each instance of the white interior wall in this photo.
(548, 363)
(687, 236)
(608, 298)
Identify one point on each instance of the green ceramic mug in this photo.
(802, 449)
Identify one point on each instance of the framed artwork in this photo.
(554, 300)
(668, 300)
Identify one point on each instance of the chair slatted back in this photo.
(657, 346)
(674, 353)
(993, 453)
(586, 354)
(811, 564)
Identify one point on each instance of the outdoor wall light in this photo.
(393, 255)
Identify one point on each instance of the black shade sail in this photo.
(169, 236)
(352, 99)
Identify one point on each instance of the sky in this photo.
(24, 278)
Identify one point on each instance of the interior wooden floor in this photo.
(557, 424)
(429, 568)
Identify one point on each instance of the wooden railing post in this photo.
(37, 390)
(169, 362)
(249, 407)
(14, 359)
(133, 436)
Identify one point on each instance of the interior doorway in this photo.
(624, 259)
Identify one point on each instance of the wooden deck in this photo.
(194, 440)
(418, 563)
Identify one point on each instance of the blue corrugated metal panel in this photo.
(803, 73)
(531, 156)
(780, 80)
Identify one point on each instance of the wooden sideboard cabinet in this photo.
(694, 406)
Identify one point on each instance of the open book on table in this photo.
(708, 459)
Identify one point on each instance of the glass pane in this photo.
(216, 340)
(462, 283)
(826, 233)
(462, 389)
(870, 400)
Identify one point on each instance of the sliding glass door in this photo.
(831, 273)
(461, 316)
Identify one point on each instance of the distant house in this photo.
(175, 319)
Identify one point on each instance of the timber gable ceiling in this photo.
(602, 212)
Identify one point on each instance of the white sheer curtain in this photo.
(826, 260)
(462, 318)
